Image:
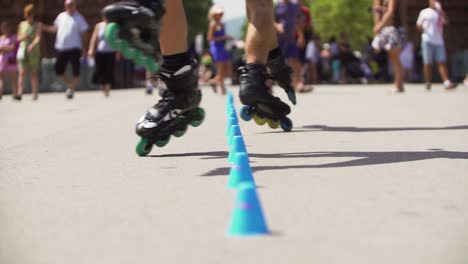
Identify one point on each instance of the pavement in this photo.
(367, 176)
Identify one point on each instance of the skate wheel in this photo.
(245, 113)
(143, 147)
(151, 65)
(112, 30)
(180, 133)
(127, 51)
(201, 113)
(139, 58)
(273, 124)
(286, 124)
(162, 143)
(259, 120)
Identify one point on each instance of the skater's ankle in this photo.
(173, 63)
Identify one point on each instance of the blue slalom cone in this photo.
(233, 114)
(240, 171)
(235, 131)
(247, 217)
(237, 146)
(231, 122)
(229, 106)
(230, 97)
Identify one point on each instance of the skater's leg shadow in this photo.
(357, 159)
(324, 128)
(205, 155)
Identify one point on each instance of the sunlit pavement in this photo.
(367, 176)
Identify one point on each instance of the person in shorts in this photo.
(389, 36)
(70, 27)
(431, 23)
(288, 26)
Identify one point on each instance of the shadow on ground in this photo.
(358, 158)
(320, 128)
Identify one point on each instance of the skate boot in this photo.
(259, 103)
(280, 72)
(133, 30)
(177, 109)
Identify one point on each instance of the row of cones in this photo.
(247, 217)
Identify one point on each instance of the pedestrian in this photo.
(8, 64)
(389, 36)
(29, 57)
(218, 38)
(407, 60)
(431, 22)
(181, 96)
(104, 57)
(289, 26)
(307, 51)
(70, 27)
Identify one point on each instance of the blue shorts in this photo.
(289, 49)
(433, 53)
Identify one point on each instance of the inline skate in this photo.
(133, 29)
(259, 103)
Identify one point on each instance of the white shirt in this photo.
(432, 24)
(69, 31)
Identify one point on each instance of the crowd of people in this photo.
(312, 59)
(20, 53)
(336, 61)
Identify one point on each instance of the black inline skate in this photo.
(177, 109)
(133, 30)
(280, 72)
(259, 103)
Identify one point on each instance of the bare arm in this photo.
(50, 28)
(376, 11)
(392, 4)
(92, 42)
(37, 38)
(7, 48)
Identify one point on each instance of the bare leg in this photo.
(74, 83)
(394, 56)
(261, 36)
(173, 36)
(296, 65)
(443, 71)
(106, 89)
(2, 78)
(428, 73)
(16, 86)
(34, 84)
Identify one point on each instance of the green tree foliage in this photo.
(197, 16)
(330, 17)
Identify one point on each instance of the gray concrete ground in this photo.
(366, 177)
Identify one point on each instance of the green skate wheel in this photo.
(180, 133)
(273, 124)
(127, 51)
(258, 120)
(111, 33)
(139, 58)
(151, 65)
(197, 123)
(162, 143)
(286, 124)
(143, 147)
